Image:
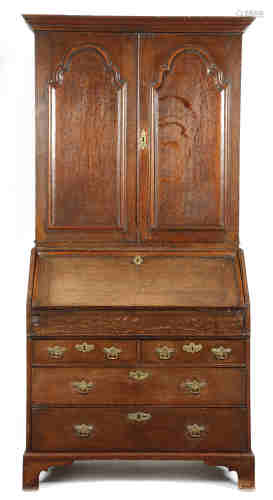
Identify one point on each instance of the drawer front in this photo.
(137, 322)
(139, 428)
(111, 352)
(196, 351)
(138, 385)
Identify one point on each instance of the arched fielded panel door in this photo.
(91, 176)
(186, 171)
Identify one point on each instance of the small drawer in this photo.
(111, 352)
(197, 351)
(139, 428)
(154, 385)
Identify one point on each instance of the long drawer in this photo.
(141, 428)
(131, 322)
(138, 385)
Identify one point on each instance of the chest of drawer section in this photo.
(93, 393)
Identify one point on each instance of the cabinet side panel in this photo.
(32, 266)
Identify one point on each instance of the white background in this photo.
(134, 480)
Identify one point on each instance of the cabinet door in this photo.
(188, 182)
(86, 138)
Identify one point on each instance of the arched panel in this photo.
(188, 145)
(87, 157)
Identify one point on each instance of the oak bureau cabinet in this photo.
(138, 317)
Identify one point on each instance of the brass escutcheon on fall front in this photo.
(192, 347)
(83, 387)
(193, 386)
(165, 352)
(83, 430)
(195, 430)
(139, 416)
(138, 375)
(56, 352)
(138, 260)
(84, 347)
(221, 352)
(112, 352)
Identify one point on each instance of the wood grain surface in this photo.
(166, 429)
(117, 281)
(221, 386)
(130, 322)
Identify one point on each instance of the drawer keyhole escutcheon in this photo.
(84, 347)
(112, 352)
(165, 352)
(193, 386)
(138, 375)
(83, 387)
(192, 347)
(83, 430)
(139, 416)
(56, 352)
(194, 430)
(221, 352)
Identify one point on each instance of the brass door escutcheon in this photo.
(192, 347)
(143, 141)
(112, 352)
(56, 352)
(195, 430)
(84, 347)
(83, 430)
(193, 386)
(165, 352)
(221, 352)
(138, 375)
(83, 387)
(139, 416)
